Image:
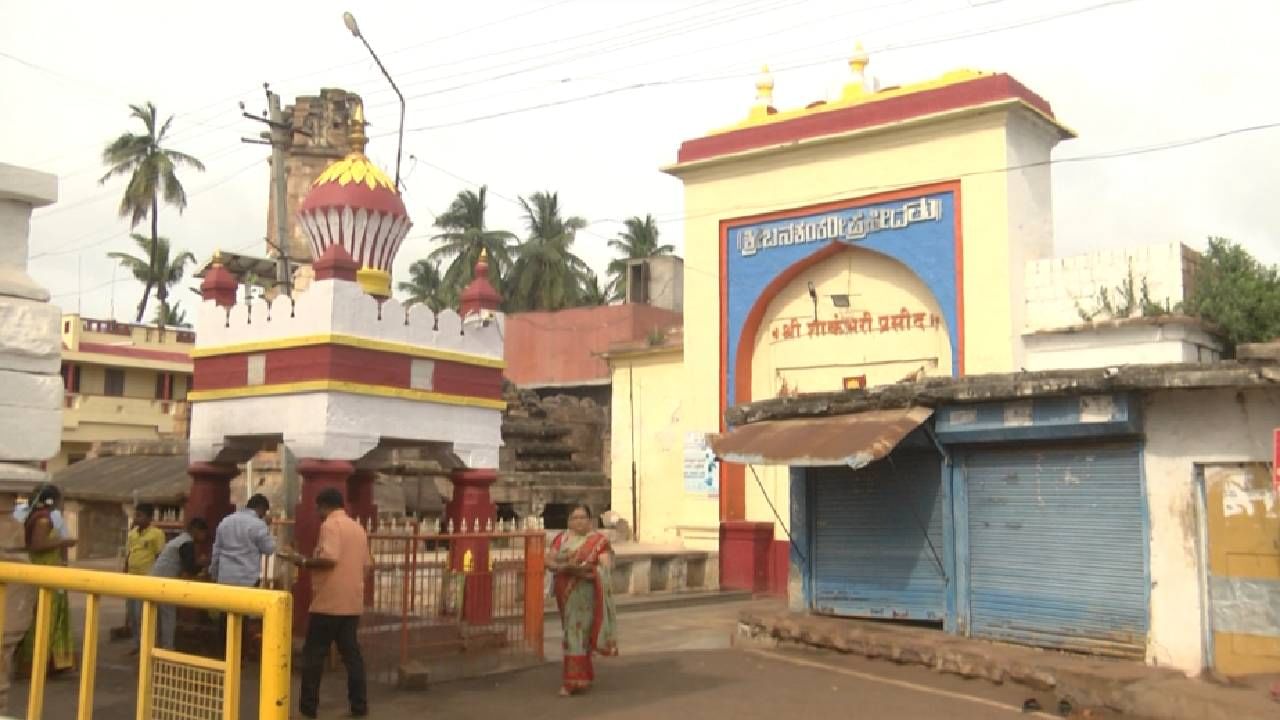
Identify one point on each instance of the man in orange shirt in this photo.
(337, 568)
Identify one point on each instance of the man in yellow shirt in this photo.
(144, 545)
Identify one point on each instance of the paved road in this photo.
(676, 662)
(733, 684)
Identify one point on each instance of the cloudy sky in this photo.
(590, 97)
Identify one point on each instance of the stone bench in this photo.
(639, 573)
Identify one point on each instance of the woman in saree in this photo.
(46, 545)
(582, 559)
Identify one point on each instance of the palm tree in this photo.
(170, 315)
(638, 240)
(152, 171)
(592, 293)
(546, 274)
(424, 285)
(155, 255)
(463, 238)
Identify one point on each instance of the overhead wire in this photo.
(195, 193)
(691, 79)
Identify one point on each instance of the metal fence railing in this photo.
(435, 596)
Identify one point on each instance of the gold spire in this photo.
(358, 138)
(484, 256)
(355, 167)
(857, 86)
(859, 61)
(764, 88)
(763, 105)
(216, 260)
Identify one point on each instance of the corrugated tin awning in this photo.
(855, 440)
(126, 478)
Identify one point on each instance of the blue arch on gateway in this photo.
(920, 231)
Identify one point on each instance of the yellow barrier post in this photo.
(40, 654)
(231, 679)
(146, 674)
(275, 608)
(88, 659)
(277, 657)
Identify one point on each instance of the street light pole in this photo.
(350, 21)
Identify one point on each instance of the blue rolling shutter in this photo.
(1057, 548)
(871, 556)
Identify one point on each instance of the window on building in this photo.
(180, 385)
(113, 383)
(638, 283)
(161, 379)
(70, 378)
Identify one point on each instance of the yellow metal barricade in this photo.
(171, 685)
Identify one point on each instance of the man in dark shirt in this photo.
(178, 560)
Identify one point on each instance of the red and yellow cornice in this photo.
(354, 341)
(350, 388)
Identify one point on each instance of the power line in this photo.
(632, 27)
(690, 79)
(113, 236)
(700, 49)
(311, 73)
(610, 45)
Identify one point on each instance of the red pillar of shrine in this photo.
(317, 475)
(471, 509)
(361, 507)
(359, 495)
(210, 496)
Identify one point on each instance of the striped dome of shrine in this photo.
(354, 204)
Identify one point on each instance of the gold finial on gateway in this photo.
(764, 88)
(859, 61)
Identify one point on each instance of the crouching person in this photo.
(178, 559)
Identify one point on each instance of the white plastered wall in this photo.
(1184, 428)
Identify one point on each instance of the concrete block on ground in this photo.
(413, 675)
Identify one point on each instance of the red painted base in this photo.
(745, 555)
(779, 567)
(477, 602)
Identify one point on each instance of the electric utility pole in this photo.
(279, 136)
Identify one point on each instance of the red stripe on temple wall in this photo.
(979, 91)
(346, 364)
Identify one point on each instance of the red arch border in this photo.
(733, 475)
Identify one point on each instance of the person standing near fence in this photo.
(338, 568)
(19, 600)
(582, 559)
(45, 545)
(143, 546)
(177, 560)
(241, 542)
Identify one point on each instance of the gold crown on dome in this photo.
(356, 167)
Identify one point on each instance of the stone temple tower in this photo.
(320, 137)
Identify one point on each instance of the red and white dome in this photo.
(354, 204)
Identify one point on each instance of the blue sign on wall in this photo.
(920, 232)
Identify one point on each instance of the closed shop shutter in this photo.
(878, 539)
(1057, 547)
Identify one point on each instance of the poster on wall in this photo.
(701, 471)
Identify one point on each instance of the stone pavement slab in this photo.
(1128, 687)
